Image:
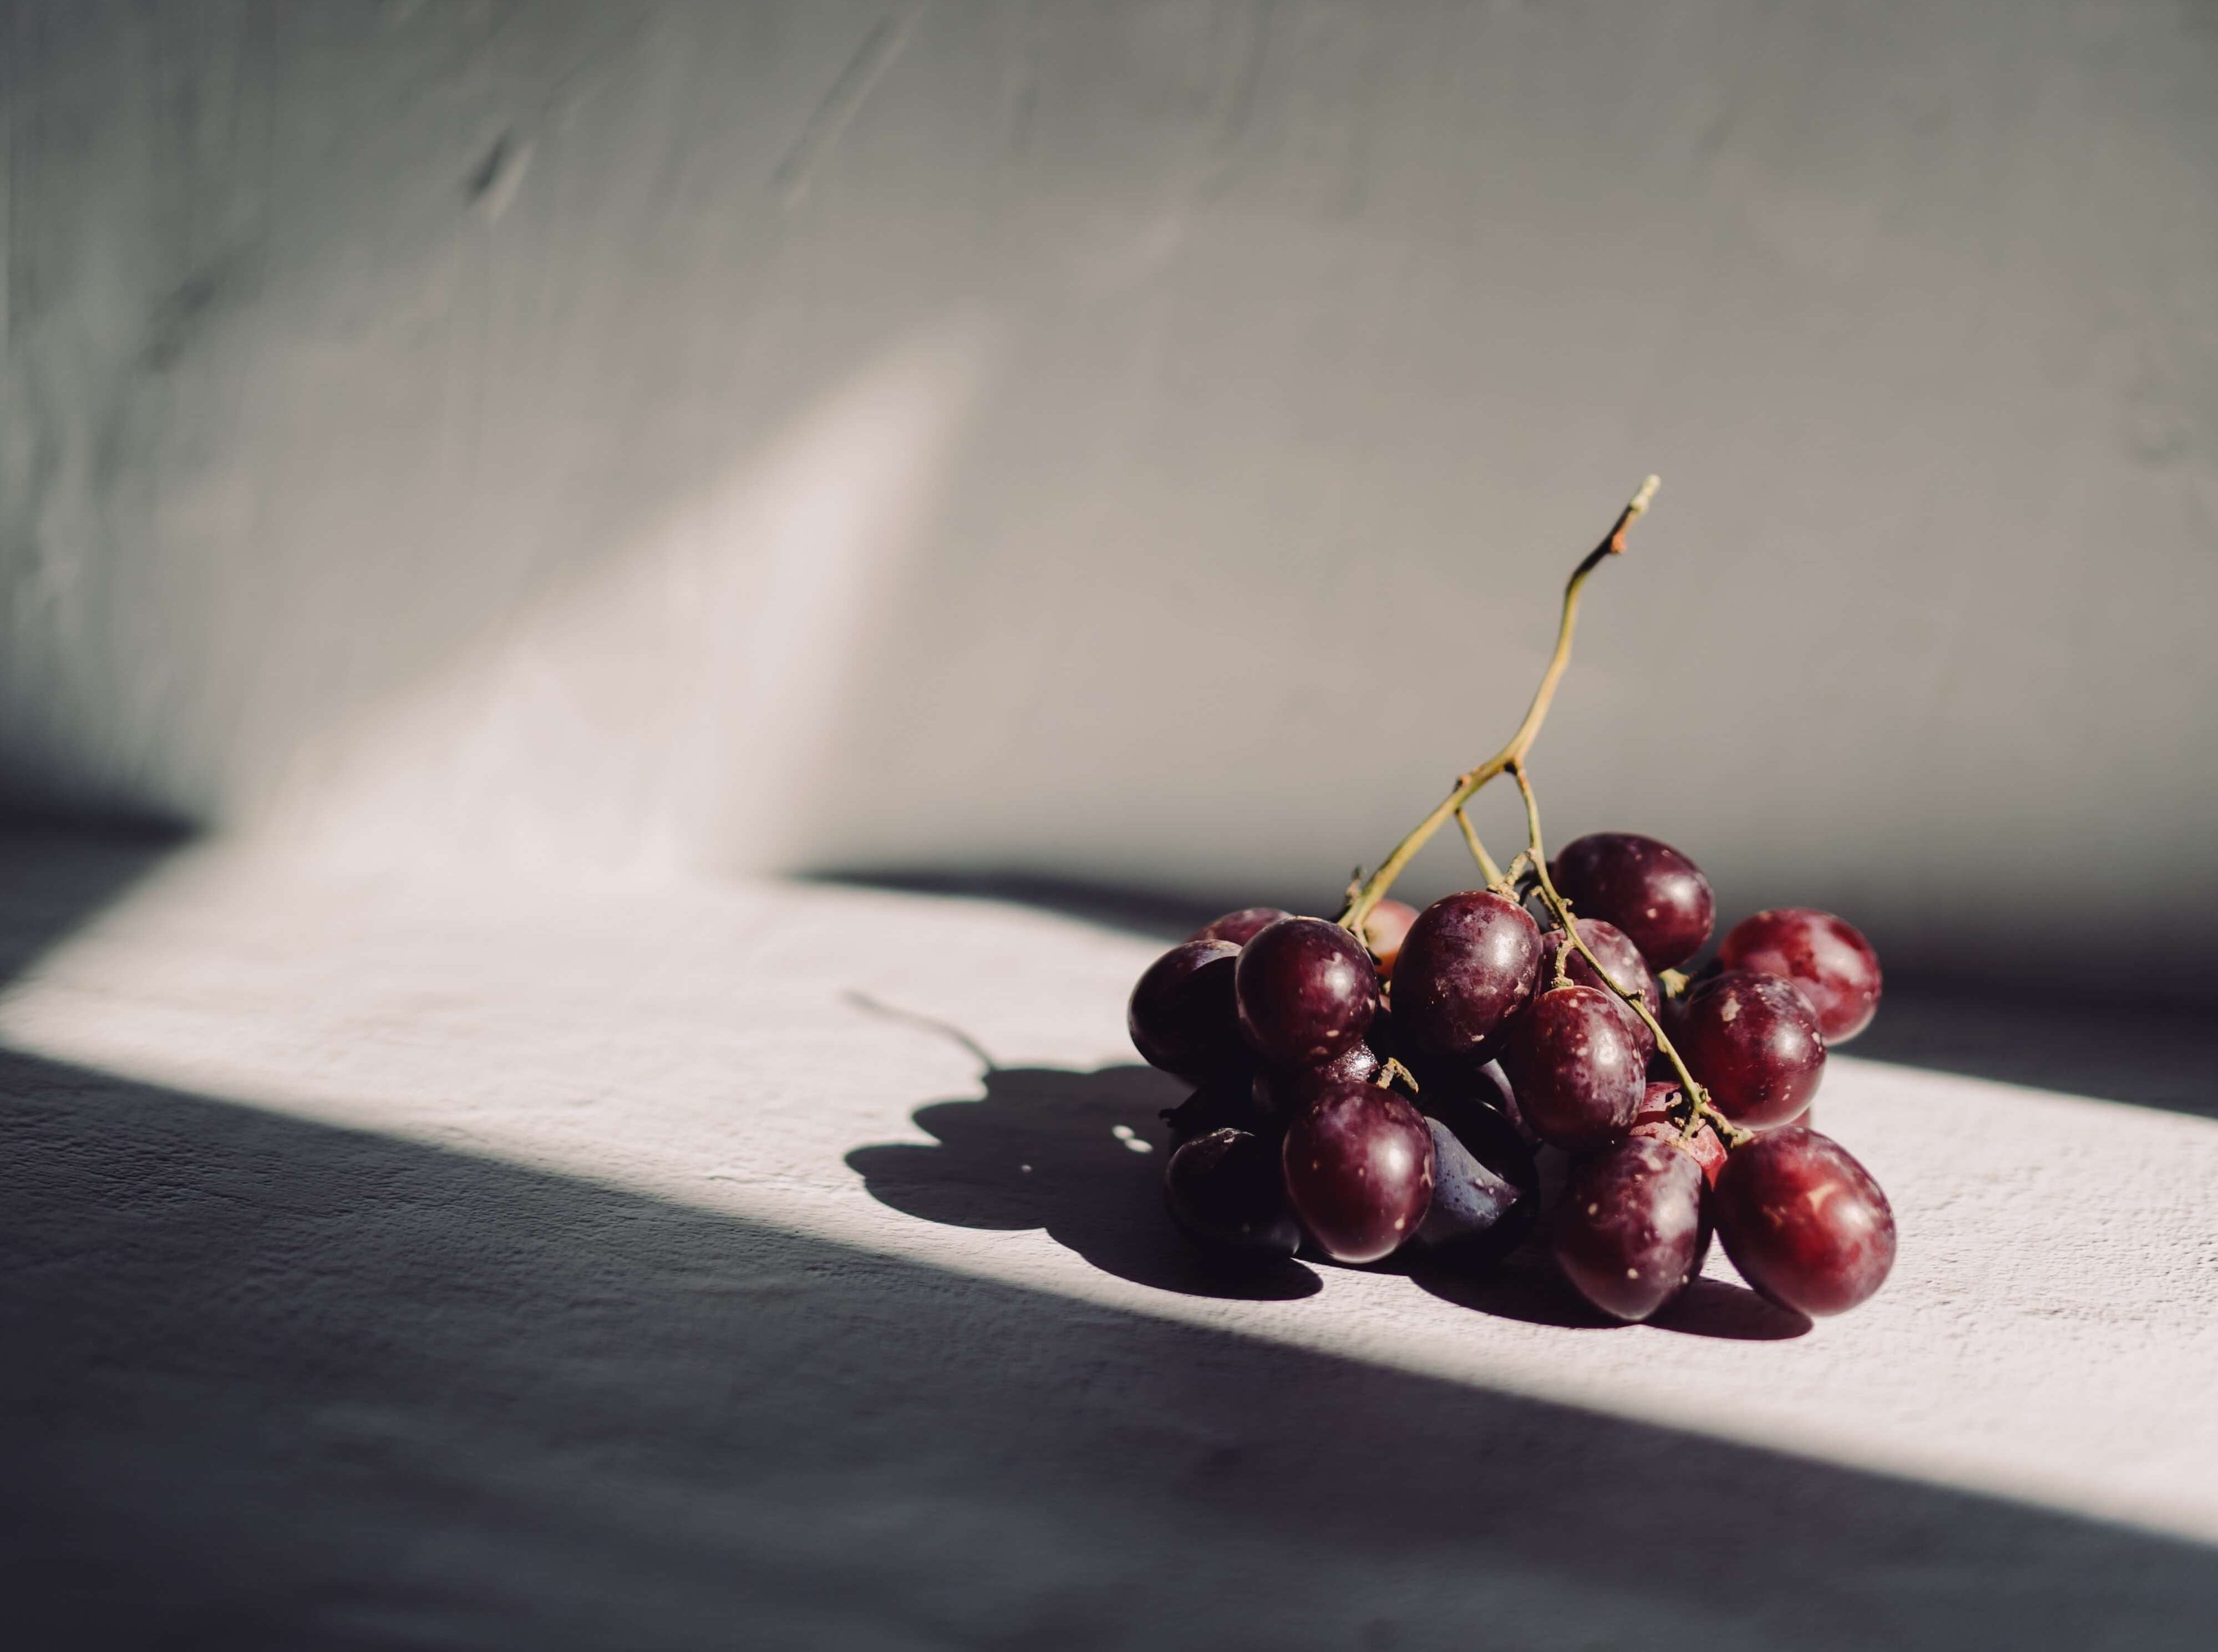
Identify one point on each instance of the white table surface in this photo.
(443, 1260)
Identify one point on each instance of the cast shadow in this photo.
(56, 874)
(1527, 1287)
(1077, 1154)
(1153, 914)
(2118, 1045)
(1080, 1155)
(278, 1383)
(2144, 1051)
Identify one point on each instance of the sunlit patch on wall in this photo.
(667, 709)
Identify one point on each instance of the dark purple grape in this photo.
(1385, 930)
(1654, 1121)
(1469, 964)
(1486, 1190)
(1225, 1192)
(1217, 1107)
(1284, 1093)
(1183, 1016)
(1830, 964)
(1649, 889)
(1360, 1169)
(1753, 1041)
(1455, 1094)
(1629, 1232)
(1240, 927)
(1506, 1104)
(1673, 1008)
(1306, 991)
(1579, 1080)
(1380, 1035)
(1804, 1223)
(1625, 964)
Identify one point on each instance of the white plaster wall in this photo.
(1131, 441)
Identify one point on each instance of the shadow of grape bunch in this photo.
(1079, 1154)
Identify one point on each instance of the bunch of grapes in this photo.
(1398, 1078)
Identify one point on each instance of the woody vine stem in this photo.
(1694, 1100)
(1368, 893)
(1696, 1105)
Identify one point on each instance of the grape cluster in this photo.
(1402, 1079)
(1362, 1097)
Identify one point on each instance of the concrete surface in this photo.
(1132, 441)
(445, 1262)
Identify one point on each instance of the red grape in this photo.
(1283, 1092)
(1358, 1168)
(1655, 1122)
(1306, 991)
(1182, 1017)
(1579, 1080)
(1804, 1223)
(1753, 1041)
(1240, 927)
(1629, 1231)
(1624, 963)
(1829, 963)
(1469, 964)
(1225, 1193)
(1384, 932)
(1649, 889)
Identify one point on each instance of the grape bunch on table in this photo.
(1391, 1079)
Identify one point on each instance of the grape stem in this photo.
(1487, 868)
(1695, 1098)
(1392, 1072)
(1373, 888)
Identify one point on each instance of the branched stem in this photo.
(1487, 868)
(1373, 888)
(1699, 1104)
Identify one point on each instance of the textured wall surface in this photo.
(1135, 441)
